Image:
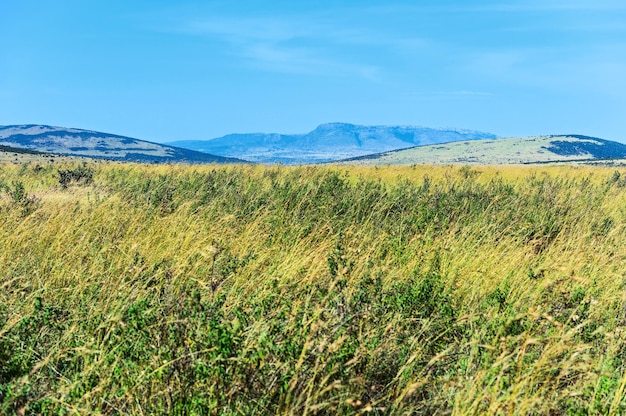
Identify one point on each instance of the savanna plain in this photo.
(143, 289)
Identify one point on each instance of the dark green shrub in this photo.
(82, 175)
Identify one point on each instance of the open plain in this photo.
(137, 289)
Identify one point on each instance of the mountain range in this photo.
(332, 142)
(328, 142)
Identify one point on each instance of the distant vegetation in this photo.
(598, 148)
(10, 149)
(131, 289)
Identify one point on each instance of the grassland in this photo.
(133, 289)
(22, 156)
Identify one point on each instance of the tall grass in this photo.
(312, 290)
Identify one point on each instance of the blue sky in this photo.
(168, 70)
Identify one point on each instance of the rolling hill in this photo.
(540, 149)
(87, 143)
(328, 142)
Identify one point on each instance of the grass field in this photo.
(135, 289)
(23, 156)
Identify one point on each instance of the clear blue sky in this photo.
(166, 70)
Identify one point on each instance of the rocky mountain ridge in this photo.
(327, 142)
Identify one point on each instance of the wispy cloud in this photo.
(360, 42)
(288, 44)
(302, 60)
(243, 29)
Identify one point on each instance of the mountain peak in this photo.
(327, 142)
(335, 126)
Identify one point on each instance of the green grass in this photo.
(311, 290)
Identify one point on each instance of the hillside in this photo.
(328, 142)
(541, 149)
(142, 289)
(87, 143)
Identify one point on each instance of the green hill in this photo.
(97, 145)
(540, 149)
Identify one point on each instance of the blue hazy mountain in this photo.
(328, 142)
(87, 143)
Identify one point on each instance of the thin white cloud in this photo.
(307, 61)
(341, 44)
(308, 44)
(284, 45)
(280, 30)
(266, 29)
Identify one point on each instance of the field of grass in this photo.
(22, 156)
(135, 289)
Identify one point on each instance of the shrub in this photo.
(82, 175)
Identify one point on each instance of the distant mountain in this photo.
(525, 150)
(87, 143)
(328, 142)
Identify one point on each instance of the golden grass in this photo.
(313, 290)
